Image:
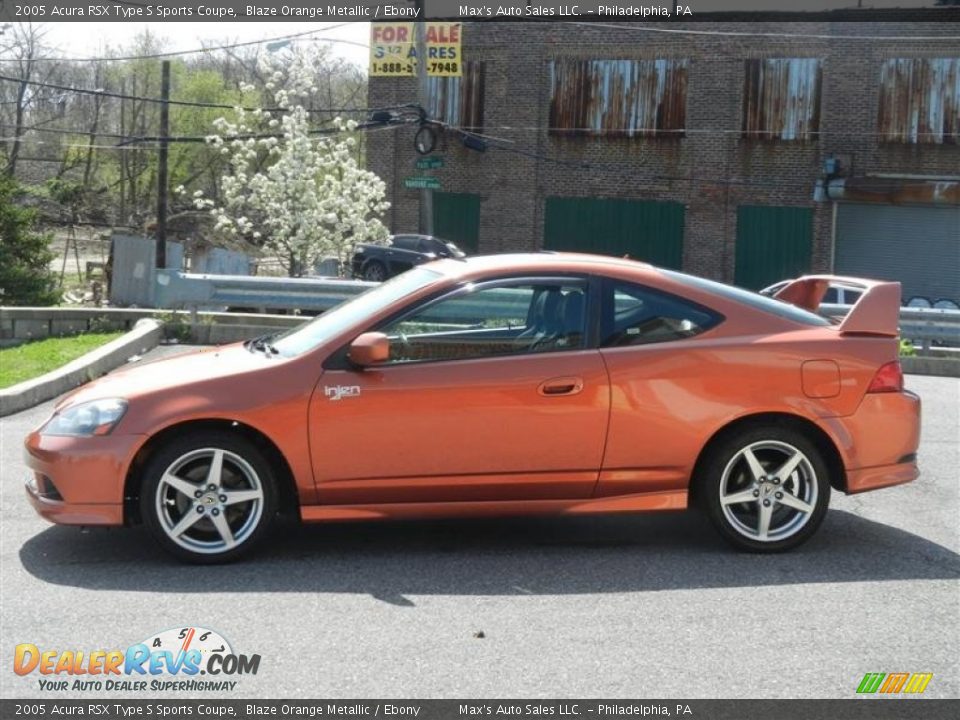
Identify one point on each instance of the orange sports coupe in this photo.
(510, 384)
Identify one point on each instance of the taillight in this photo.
(889, 378)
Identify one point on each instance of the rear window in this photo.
(752, 299)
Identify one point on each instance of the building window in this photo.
(920, 101)
(622, 98)
(458, 101)
(781, 99)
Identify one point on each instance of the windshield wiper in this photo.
(262, 343)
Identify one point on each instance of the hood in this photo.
(156, 376)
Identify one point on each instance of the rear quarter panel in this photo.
(669, 399)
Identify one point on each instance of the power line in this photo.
(787, 36)
(183, 103)
(632, 174)
(373, 124)
(178, 53)
(678, 134)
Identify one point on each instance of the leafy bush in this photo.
(25, 277)
(907, 349)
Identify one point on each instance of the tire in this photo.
(374, 271)
(740, 488)
(202, 519)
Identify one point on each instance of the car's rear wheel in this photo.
(766, 489)
(374, 271)
(208, 497)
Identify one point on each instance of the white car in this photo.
(839, 293)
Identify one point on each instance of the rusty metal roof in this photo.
(629, 98)
(781, 98)
(920, 101)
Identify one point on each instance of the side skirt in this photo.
(667, 500)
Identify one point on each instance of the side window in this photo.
(638, 315)
(831, 296)
(405, 242)
(519, 317)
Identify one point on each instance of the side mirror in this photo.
(368, 349)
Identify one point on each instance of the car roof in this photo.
(536, 262)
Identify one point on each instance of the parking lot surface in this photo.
(647, 606)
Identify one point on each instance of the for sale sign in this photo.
(393, 49)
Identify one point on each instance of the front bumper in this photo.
(79, 480)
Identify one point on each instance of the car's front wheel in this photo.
(765, 489)
(374, 271)
(208, 497)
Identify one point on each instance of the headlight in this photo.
(97, 417)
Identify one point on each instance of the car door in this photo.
(492, 392)
(655, 384)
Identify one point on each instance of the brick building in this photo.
(756, 151)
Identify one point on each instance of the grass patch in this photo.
(32, 359)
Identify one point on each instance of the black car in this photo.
(402, 252)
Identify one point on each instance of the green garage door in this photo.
(773, 243)
(644, 230)
(456, 217)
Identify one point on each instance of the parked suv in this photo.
(402, 252)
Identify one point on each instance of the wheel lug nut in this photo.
(766, 503)
(211, 487)
(198, 494)
(756, 493)
(215, 511)
(776, 481)
(200, 509)
(779, 496)
(223, 498)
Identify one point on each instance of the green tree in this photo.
(25, 277)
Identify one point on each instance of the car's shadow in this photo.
(393, 560)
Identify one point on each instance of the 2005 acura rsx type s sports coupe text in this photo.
(540, 383)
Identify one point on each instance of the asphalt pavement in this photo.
(642, 607)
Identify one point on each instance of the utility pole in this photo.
(423, 91)
(161, 252)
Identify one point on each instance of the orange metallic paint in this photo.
(475, 437)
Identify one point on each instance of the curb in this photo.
(942, 366)
(145, 335)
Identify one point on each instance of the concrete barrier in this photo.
(926, 365)
(145, 336)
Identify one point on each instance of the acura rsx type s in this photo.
(511, 384)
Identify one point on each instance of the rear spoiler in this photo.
(877, 312)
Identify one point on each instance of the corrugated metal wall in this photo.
(915, 245)
(456, 217)
(920, 101)
(459, 100)
(781, 98)
(629, 98)
(644, 230)
(132, 274)
(773, 243)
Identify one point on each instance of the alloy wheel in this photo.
(768, 491)
(209, 501)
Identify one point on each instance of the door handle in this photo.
(561, 386)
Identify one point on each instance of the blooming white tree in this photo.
(297, 195)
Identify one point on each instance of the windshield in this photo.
(352, 312)
(754, 300)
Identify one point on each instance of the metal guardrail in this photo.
(180, 291)
(921, 326)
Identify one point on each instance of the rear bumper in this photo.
(879, 441)
(874, 478)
